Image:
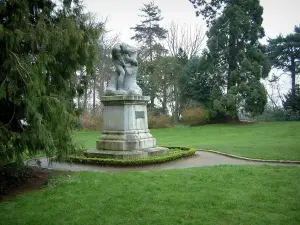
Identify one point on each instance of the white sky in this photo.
(280, 16)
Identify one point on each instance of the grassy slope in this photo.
(208, 195)
(279, 140)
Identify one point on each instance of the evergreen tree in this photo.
(42, 47)
(149, 33)
(284, 54)
(196, 83)
(237, 57)
(182, 56)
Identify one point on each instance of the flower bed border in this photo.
(135, 162)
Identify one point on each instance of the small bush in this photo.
(195, 116)
(159, 121)
(173, 155)
(79, 149)
(91, 122)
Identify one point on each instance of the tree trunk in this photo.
(85, 96)
(101, 88)
(100, 91)
(176, 106)
(153, 92)
(152, 97)
(232, 67)
(293, 75)
(94, 96)
(231, 60)
(150, 49)
(164, 102)
(78, 102)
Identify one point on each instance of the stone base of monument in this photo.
(125, 134)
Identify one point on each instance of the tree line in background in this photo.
(222, 82)
(55, 64)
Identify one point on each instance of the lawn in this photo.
(207, 195)
(280, 140)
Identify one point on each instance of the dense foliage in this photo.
(42, 45)
(235, 58)
(196, 83)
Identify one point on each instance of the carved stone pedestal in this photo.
(125, 134)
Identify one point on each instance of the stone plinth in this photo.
(125, 133)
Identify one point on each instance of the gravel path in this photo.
(200, 159)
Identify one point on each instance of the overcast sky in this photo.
(280, 16)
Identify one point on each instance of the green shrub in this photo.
(12, 175)
(158, 121)
(195, 116)
(136, 162)
(79, 149)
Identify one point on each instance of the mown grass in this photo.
(279, 140)
(207, 195)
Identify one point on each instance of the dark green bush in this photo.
(137, 162)
(13, 174)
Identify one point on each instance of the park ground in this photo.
(206, 195)
(278, 140)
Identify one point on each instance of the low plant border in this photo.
(251, 159)
(135, 162)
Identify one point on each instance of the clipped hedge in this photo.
(135, 162)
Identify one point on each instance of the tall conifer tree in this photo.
(149, 33)
(235, 28)
(284, 54)
(42, 47)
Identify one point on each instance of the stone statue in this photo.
(123, 82)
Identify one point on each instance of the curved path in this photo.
(200, 158)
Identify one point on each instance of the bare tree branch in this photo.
(189, 38)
